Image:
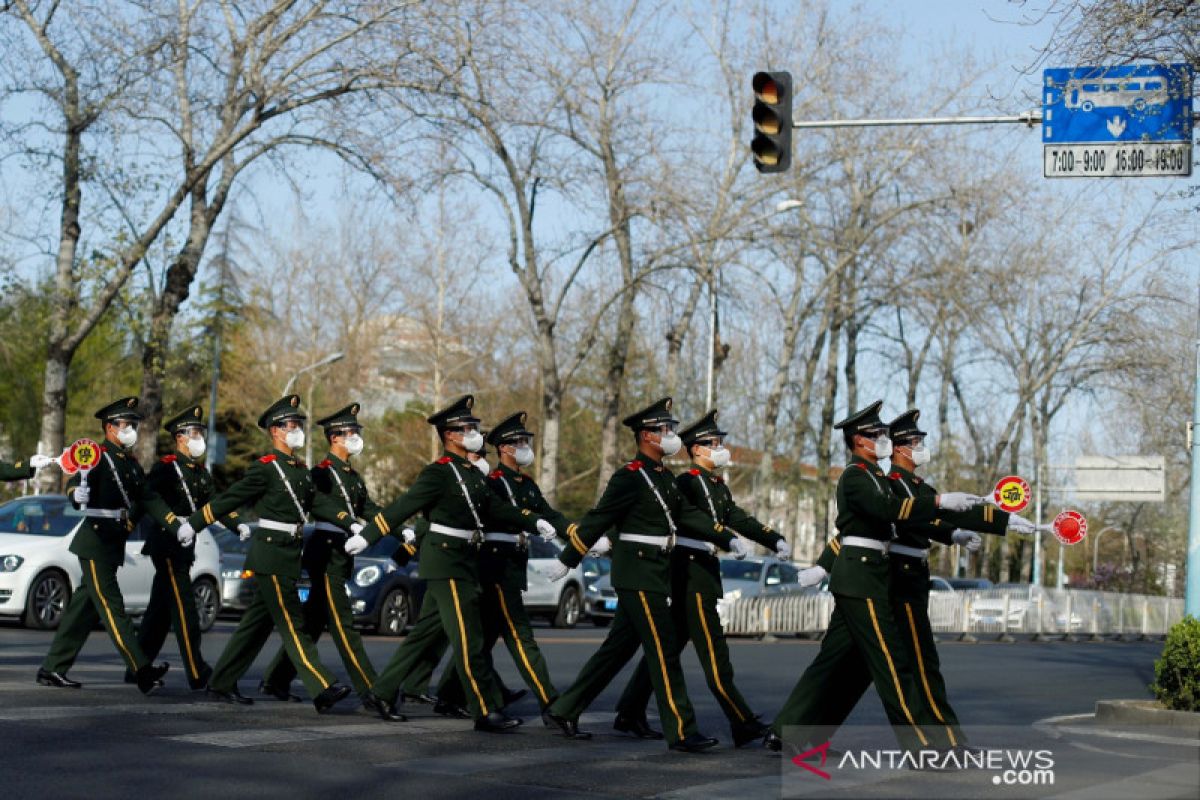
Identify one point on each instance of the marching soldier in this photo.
(647, 511)
(503, 559)
(184, 484)
(282, 492)
(20, 470)
(455, 499)
(113, 500)
(863, 638)
(696, 588)
(329, 566)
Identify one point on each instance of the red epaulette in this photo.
(444, 460)
(693, 471)
(168, 459)
(495, 474)
(861, 466)
(325, 464)
(268, 458)
(633, 466)
(103, 449)
(894, 476)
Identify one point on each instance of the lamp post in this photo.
(1096, 549)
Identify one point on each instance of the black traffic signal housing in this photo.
(772, 114)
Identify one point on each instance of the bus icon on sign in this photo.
(1136, 93)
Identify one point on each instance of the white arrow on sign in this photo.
(1116, 126)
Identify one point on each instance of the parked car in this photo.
(385, 597)
(561, 602)
(758, 575)
(38, 573)
(237, 582)
(969, 583)
(600, 601)
(1022, 609)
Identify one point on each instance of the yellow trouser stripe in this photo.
(337, 623)
(381, 523)
(183, 622)
(466, 654)
(925, 681)
(520, 647)
(712, 658)
(662, 661)
(892, 669)
(112, 624)
(292, 631)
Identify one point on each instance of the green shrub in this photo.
(1177, 672)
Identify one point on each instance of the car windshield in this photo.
(40, 515)
(595, 567)
(741, 570)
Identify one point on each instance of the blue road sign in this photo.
(1130, 104)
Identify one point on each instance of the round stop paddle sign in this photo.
(1070, 527)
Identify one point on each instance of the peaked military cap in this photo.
(510, 428)
(283, 409)
(457, 413)
(905, 425)
(704, 428)
(342, 418)
(125, 408)
(186, 419)
(862, 421)
(657, 413)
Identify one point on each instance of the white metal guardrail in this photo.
(975, 613)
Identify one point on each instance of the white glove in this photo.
(356, 527)
(558, 571)
(1019, 524)
(545, 529)
(811, 576)
(739, 548)
(1045, 527)
(37, 461)
(356, 544)
(783, 550)
(603, 545)
(967, 539)
(81, 495)
(958, 501)
(244, 531)
(408, 535)
(186, 534)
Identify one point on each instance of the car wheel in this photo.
(395, 613)
(47, 600)
(208, 602)
(569, 607)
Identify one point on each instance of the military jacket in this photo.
(506, 563)
(263, 488)
(15, 472)
(438, 494)
(629, 505)
(707, 491)
(168, 479)
(347, 492)
(103, 540)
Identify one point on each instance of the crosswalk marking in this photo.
(558, 751)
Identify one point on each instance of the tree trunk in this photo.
(678, 332)
(828, 409)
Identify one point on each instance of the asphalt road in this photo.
(106, 740)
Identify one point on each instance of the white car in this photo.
(561, 601)
(38, 573)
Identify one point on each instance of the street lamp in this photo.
(329, 359)
(1096, 549)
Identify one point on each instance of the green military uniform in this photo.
(909, 590)
(184, 484)
(645, 508)
(281, 491)
(329, 567)
(696, 588)
(119, 497)
(454, 497)
(503, 561)
(862, 637)
(18, 471)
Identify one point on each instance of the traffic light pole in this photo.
(1029, 118)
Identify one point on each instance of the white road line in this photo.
(1053, 725)
(558, 752)
(148, 707)
(262, 737)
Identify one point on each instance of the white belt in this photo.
(914, 552)
(640, 538)
(295, 529)
(862, 541)
(105, 513)
(511, 538)
(328, 526)
(457, 533)
(695, 544)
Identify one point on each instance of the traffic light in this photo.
(772, 143)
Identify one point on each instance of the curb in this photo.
(1146, 712)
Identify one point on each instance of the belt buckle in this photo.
(522, 541)
(477, 537)
(670, 545)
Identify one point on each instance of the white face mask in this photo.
(295, 438)
(196, 447)
(523, 455)
(883, 447)
(127, 436)
(482, 465)
(719, 456)
(920, 455)
(472, 441)
(353, 444)
(670, 443)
